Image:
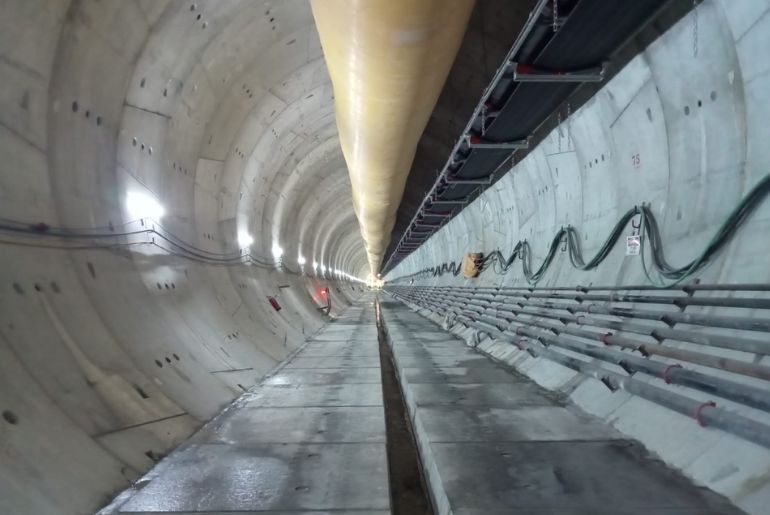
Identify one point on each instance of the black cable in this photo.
(568, 239)
(168, 242)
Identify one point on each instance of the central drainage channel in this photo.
(407, 488)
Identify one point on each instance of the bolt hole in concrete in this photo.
(157, 362)
(10, 417)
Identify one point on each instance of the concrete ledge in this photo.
(493, 441)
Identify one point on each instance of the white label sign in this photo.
(633, 245)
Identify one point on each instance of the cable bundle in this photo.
(568, 240)
(153, 234)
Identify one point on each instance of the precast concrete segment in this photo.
(221, 113)
(492, 441)
(683, 127)
(289, 445)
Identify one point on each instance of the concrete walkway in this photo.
(310, 439)
(492, 442)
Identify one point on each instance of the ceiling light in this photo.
(142, 205)
(244, 239)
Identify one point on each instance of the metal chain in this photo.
(555, 15)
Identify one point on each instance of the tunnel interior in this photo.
(176, 224)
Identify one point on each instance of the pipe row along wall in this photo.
(683, 127)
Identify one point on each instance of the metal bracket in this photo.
(526, 73)
(449, 202)
(475, 142)
(439, 215)
(482, 180)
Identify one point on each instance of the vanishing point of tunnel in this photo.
(368, 257)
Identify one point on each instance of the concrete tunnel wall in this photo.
(223, 112)
(683, 127)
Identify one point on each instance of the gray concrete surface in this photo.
(222, 112)
(290, 446)
(518, 449)
(684, 128)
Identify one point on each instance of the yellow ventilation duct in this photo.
(388, 60)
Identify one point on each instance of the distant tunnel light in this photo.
(244, 239)
(277, 251)
(142, 205)
(301, 260)
(315, 265)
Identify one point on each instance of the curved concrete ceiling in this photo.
(113, 350)
(223, 113)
